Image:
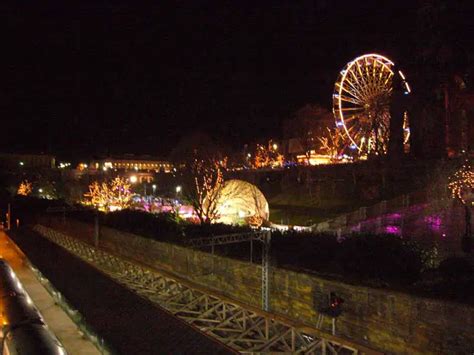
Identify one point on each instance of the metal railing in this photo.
(241, 327)
(73, 313)
(262, 236)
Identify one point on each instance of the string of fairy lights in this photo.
(461, 184)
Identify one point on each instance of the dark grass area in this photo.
(306, 215)
(303, 210)
(128, 323)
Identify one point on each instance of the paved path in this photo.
(128, 323)
(56, 319)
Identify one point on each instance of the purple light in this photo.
(434, 222)
(394, 215)
(392, 230)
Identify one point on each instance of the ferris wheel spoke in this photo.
(381, 73)
(352, 100)
(366, 67)
(360, 70)
(387, 74)
(377, 73)
(382, 79)
(357, 91)
(351, 96)
(359, 84)
(351, 109)
(345, 89)
(364, 82)
(373, 83)
(389, 78)
(354, 86)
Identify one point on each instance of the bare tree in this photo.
(307, 124)
(204, 194)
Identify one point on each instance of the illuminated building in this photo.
(297, 153)
(134, 163)
(314, 159)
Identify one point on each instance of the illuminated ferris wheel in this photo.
(361, 103)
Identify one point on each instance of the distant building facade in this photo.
(135, 163)
(27, 161)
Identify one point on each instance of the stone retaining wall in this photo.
(389, 321)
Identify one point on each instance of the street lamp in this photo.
(133, 179)
(154, 188)
(178, 189)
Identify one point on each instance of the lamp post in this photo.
(154, 189)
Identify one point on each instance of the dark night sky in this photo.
(114, 78)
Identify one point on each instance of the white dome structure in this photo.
(241, 202)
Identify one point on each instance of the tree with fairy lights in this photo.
(262, 158)
(208, 179)
(96, 196)
(25, 188)
(332, 143)
(109, 196)
(268, 157)
(461, 185)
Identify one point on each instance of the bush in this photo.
(154, 226)
(161, 227)
(364, 257)
(381, 257)
(455, 268)
(306, 250)
(27, 208)
(384, 258)
(209, 230)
